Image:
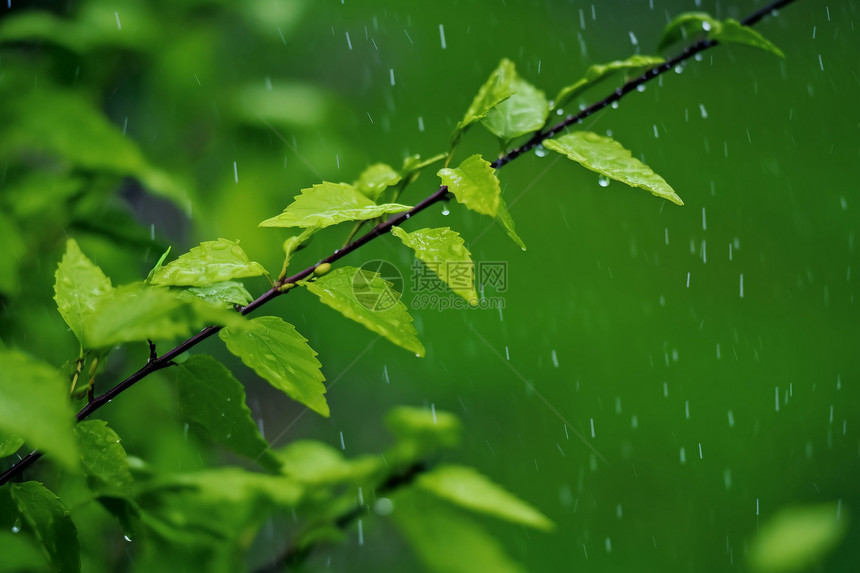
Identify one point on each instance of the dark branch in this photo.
(166, 359)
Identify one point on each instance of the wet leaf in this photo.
(281, 356)
(79, 284)
(474, 184)
(599, 72)
(495, 90)
(797, 538)
(368, 299)
(50, 521)
(138, 312)
(507, 222)
(34, 405)
(466, 487)
(524, 112)
(327, 204)
(293, 244)
(444, 253)
(224, 294)
(103, 458)
(445, 540)
(607, 157)
(211, 397)
(211, 262)
(376, 179)
(729, 31)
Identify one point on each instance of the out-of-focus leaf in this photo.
(14, 250)
(236, 485)
(9, 443)
(797, 537)
(507, 222)
(224, 294)
(34, 404)
(210, 396)
(328, 204)
(599, 72)
(466, 487)
(413, 165)
(376, 179)
(730, 31)
(33, 193)
(607, 157)
(420, 431)
(103, 458)
(495, 90)
(285, 104)
(45, 514)
(524, 112)
(280, 355)
(444, 253)
(71, 130)
(317, 463)
(20, 553)
(79, 285)
(211, 262)
(446, 541)
(368, 299)
(138, 312)
(474, 184)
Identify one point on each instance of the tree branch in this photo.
(165, 360)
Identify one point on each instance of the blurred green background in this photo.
(706, 353)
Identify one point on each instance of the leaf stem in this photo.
(166, 359)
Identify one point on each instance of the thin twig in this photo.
(167, 358)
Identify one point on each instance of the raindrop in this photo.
(731, 419)
(119, 26)
(633, 39)
(592, 427)
(700, 450)
(433, 411)
(554, 357)
(127, 538)
(348, 42)
(703, 111)
(609, 541)
(683, 456)
(541, 151)
(687, 409)
(445, 210)
(742, 285)
(507, 353)
(679, 68)
(235, 172)
(391, 74)
(342, 443)
(360, 533)
(420, 123)
(640, 88)
(603, 181)
(614, 105)
(16, 527)
(383, 506)
(385, 374)
(442, 35)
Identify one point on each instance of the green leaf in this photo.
(327, 204)
(368, 299)
(236, 485)
(9, 443)
(599, 72)
(158, 265)
(474, 184)
(733, 32)
(79, 285)
(376, 179)
(224, 294)
(506, 221)
(797, 538)
(522, 113)
(34, 404)
(138, 312)
(413, 165)
(281, 103)
(466, 487)
(445, 540)
(444, 252)
(103, 458)
(730, 31)
(45, 514)
(420, 431)
(280, 355)
(495, 90)
(294, 244)
(212, 262)
(210, 396)
(317, 463)
(607, 157)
